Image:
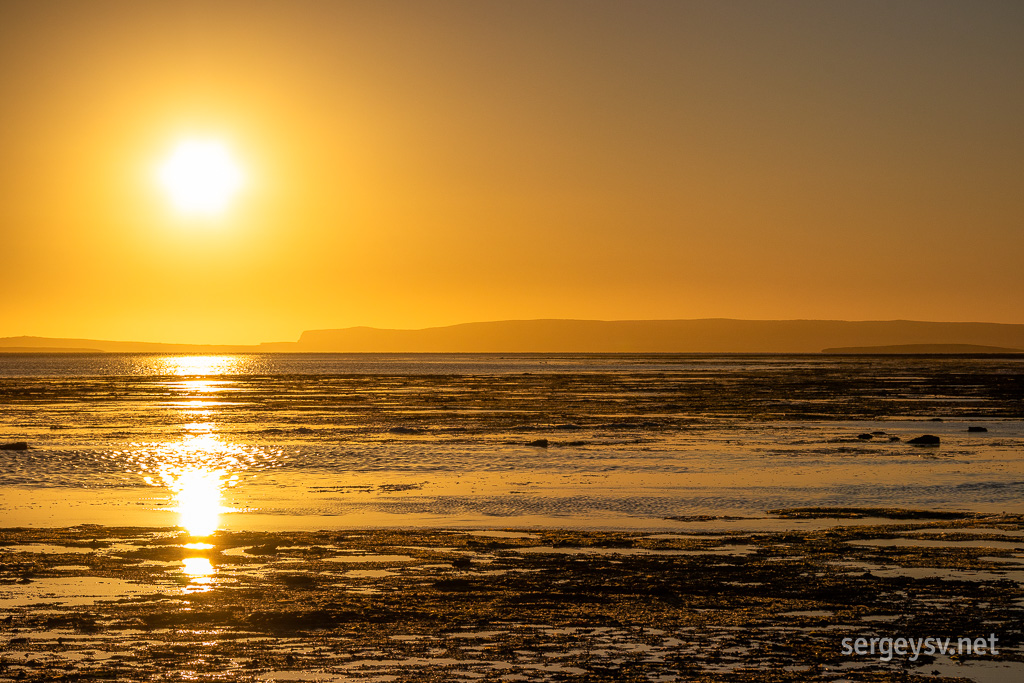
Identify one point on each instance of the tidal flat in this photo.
(99, 603)
(278, 442)
(269, 517)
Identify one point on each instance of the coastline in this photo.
(611, 519)
(92, 603)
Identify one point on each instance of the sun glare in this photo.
(201, 177)
(197, 492)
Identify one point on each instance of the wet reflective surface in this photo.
(93, 603)
(279, 441)
(407, 460)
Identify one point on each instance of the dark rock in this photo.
(404, 430)
(935, 419)
(925, 440)
(14, 446)
(289, 622)
(977, 429)
(894, 438)
(865, 437)
(399, 487)
(303, 430)
(451, 585)
(860, 513)
(568, 426)
(267, 549)
(300, 581)
(539, 443)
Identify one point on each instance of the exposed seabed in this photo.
(117, 603)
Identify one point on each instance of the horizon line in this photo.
(508, 320)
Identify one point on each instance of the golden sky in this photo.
(421, 163)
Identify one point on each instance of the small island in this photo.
(923, 349)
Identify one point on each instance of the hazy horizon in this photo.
(566, 335)
(298, 334)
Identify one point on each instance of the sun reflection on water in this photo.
(197, 365)
(200, 465)
(207, 386)
(197, 494)
(201, 574)
(197, 469)
(197, 567)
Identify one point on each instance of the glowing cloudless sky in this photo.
(409, 164)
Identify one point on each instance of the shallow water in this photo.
(277, 441)
(147, 604)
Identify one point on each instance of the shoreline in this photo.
(44, 508)
(94, 602)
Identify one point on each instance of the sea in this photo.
(501, 441)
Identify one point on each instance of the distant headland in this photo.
(923, 349)
(706, 335)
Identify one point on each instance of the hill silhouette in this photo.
(923, 349)
(711, 335)
(708, 335)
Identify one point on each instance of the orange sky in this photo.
(425, 163)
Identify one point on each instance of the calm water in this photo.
(327, 441)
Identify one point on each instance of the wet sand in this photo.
(109, 603)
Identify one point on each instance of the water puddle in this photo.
(257, 551)
(973, 530)
(47, 549)
(503, 534)
(950, 574)
(311, 676)
(73, 590)
(371, 558)
(368, 573)
(734, 550)
(685, 537)
(980, 671)
(929, 543)
(944, 573)
(1014, 560)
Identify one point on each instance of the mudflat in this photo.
(131, 604)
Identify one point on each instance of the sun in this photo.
(201, 177)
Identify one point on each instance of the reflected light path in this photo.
(200, 572)
(197, 469)
(200, 465)
(197, 495)
(196, 365)
(197, 567)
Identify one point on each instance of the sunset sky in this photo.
(410, 164)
